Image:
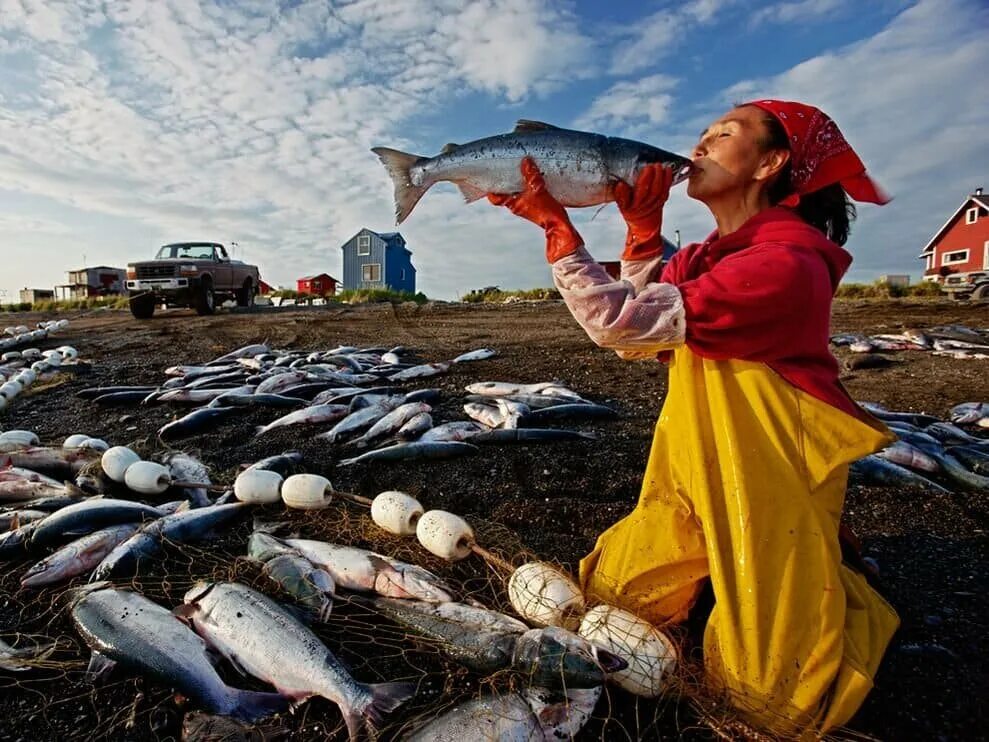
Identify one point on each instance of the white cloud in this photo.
(798, 11)
(645, 101)
(642, 44)
(904, 100)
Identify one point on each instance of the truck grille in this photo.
(155, 271)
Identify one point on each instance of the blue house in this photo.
(373, 260)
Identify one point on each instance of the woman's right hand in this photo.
(642, 208)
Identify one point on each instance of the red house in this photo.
(265, 288)
(960, 249)
(320, 285)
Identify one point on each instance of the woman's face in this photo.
(730, 155)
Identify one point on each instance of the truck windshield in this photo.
(186, 251)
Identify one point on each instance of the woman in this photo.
(746, 478)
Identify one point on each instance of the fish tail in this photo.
(398, 164)
(249, 706)
(385, 698)
(259, 430)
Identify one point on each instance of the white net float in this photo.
(258, 486)
(67, 352)
(41, 367)
(147, 478)
(116, 460)
(95, 444)
(396, 512)
(13, 440)
(545, 596)
(3, 402)
(74, 441)
(10, 389)
(26, 377)
(307, 492)
(31, 354)
(10, 355)
(53, 358)
(650, 654)
(444, 534)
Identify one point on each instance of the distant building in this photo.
(265, 288)
(101, 280)
(30, 296)
(322, 284)
(900, 280)
(961, 247)
(614, 267)
(373, 260)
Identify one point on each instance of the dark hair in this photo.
(828, 209)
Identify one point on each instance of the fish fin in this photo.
(471, 193)
(99, 667)
(398, 164)
(248, 705)
(185, 612)
(259, 430)
(15, 522)
(385, 697)
(529, 125)
(449, 147)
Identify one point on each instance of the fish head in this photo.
(263, 547)
(562, 714)
(76, 595)
(556, 657)
(625, 158)
(198, 592)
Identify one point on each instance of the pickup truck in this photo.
(971, 286)
(190, 274)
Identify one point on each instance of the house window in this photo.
(930, 261)
(403, 274)
(371, 273)
(364, 244)
(950, 258)
(985, 259)
(972, 215)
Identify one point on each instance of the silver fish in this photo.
(308, 584)
(415, 450)
(481, 354)
(391, 422)
(124, 627)
(365, 571)
(487, 415)
(312, 415)
(580, 167)
(19, 660)
(263, 640)
(184, 468)
(415, 427)
(91, 515)
(455, 431)
(969, 413)
(422, 371)
(77, 557)
(879, 471)
(908, 455)
(357, 422)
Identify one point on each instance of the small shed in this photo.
(30, 296)
(322, 284)
(961, 246)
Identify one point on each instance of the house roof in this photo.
(98, 268)
(318, 275)
(386, 236)
(980, 198)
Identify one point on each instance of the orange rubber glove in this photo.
(642, 208)
(537, 205)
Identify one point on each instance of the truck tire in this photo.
(205, 301)
(142, 306)
(981, 292)
(245, 295)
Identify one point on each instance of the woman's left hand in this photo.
(642, 209)
(536, 204)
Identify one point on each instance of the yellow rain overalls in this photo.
(745, 486)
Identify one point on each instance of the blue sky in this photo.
(131, 123)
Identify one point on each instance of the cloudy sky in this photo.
(130, 123)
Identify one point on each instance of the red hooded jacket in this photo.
(763, 294)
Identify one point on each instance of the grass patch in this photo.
(880, 290)
(494, 295)
(64, 305)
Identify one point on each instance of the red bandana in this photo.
(820, 156)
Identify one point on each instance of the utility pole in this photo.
(677, 232)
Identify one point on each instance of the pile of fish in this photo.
(21, 369)
(21, 334)
(930, 453)
(106, 536)
(955, 341)
(354, 389)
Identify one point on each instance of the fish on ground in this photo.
(530, 435)
(415, 427)
(969, 413)
(580, 168)
(309, 585)
(875, 470)
(481, 354)
(365, 571)
(123, 627)
(77, 557)
(486, 642)
(91, 515)
(421, 372)
(313, 415)
(906, 454)
(57, 462)
(534, 715)
(415, 450)
(455, 431)
(265, 641)
(357, 422)
(21, 659)
(181, 527)
(286, 464)
(391, 423)
(198, 421)
(569, 411)
(185, 468)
